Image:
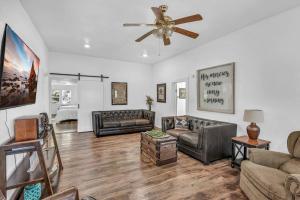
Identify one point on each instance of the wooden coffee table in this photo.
(160, 151)
(241, 144)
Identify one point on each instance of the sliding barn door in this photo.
(90, 99)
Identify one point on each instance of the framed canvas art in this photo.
(161, 92)
(119, 93)
(216, 89)
(19, 69)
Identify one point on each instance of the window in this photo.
(55, 96)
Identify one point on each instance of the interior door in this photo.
(90, 99)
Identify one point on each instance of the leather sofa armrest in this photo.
(268, 158)
(200, 139)
(100, 120)
(167, 123)
(292, 186)
(217, 141)
(97, 121)
(150, 115)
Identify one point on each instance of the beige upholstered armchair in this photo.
(273, 175)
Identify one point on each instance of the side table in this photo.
(241, 144)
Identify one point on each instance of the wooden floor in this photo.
(65, 126)
(112, 168)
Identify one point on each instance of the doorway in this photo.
(72, 102)
(63, 104)
(181, 98)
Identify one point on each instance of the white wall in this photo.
(267, 75)
(138, 76)
(12, 13)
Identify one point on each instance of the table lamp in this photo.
(253, 116)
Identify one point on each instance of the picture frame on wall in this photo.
(182, 93)
(66, 97)
(161, 92)
(216, 89)
(119, 93)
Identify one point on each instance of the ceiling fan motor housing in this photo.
(164, 27)
(163, 8)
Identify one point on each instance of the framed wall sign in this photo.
(119, 93)
(161, 92)
(215, 87)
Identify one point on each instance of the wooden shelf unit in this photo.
(41, 174)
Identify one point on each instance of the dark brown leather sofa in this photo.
(122, 121)
(206, 140)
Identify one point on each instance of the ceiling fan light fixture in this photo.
(168, 31)
(158, 33)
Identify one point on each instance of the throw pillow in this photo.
(181, 123)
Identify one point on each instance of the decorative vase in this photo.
(253, 131)
(33, 192)
(149, 107)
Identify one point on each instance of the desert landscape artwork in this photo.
(19, 72)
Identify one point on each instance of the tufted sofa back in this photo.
(195, 124)
(294, 144)
(117, 115)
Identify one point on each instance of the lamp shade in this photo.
(254, 116)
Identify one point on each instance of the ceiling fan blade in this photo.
(166, 40)
(145, 35)
(158, 13)
(186, 32)
(192, 18)
(137, 24)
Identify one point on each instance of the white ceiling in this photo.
(65, 24)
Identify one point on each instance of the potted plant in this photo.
(149, 102)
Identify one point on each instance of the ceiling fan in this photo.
(164, 26)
